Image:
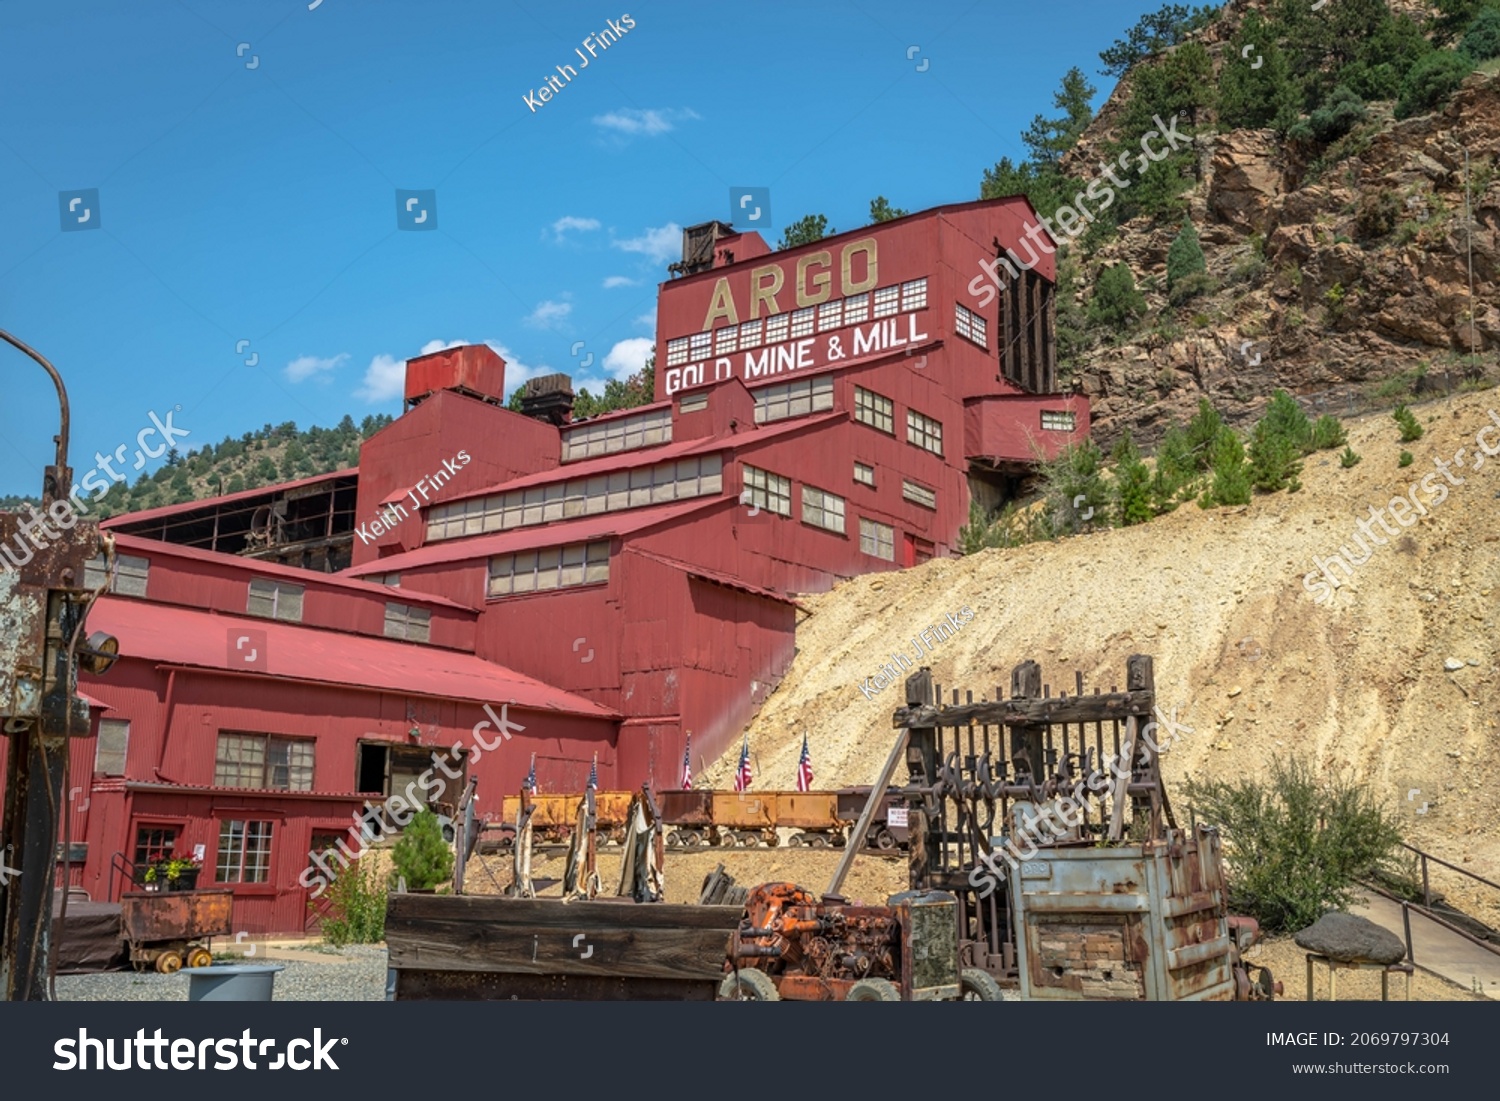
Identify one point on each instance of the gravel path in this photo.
(356, 974)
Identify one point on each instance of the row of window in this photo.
(659, 484)
(549, 568)
(793, 399)
(841, 312)
(620, 434)
(243, 856)
(879, 411)
(823, 509)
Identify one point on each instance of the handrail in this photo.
(1439, 860)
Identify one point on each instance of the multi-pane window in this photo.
(857, 308)
(617, 434)
(830, 315)
(275, 600)
(129, 578)
(153, 844)
(887, 301)
(726, 340)
(750, 333)
(925, 432)
(776, 328)
(677, 352)
(621, 489)
(244, 852)
(1057, 420)
(700, 344)
(263, 761)
(111, 748)
(875, 410)
(971, 326)
(919, 494)
(549, 568)
(822, 509)
(405, 622)
(693, 404)
(802, 321)
(864, 475)
(877, 540)
(389, 580)
(769, 491)
(793, 399)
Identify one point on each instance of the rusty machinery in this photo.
(979, 773)
(43, 607)
(790, 945)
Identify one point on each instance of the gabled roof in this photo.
(187, 637)
(267, 491)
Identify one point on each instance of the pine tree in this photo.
(1256, 88)
(1132, 483)
(1185, 257)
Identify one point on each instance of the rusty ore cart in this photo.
(167, 929)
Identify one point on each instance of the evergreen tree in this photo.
(1153, 33)
(1116, 301)
(1256, 88)
(1132, 483)
(1185, 257)
(882, 211)
(805, 231)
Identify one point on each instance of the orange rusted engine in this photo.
(791, 945)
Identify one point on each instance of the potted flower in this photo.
(180, 874)
(151, 877)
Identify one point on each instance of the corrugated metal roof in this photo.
(184, 636)
(210, 502)
(703, 573)
(138, 544)
(558, 532)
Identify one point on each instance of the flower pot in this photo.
(187, 880)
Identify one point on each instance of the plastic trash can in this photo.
(238, 982)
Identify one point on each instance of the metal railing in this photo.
(1425, 907)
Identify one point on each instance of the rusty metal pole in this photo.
(39, 602)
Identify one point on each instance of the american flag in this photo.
(594, 774)
(742, 775)
(687, 764)
(804, 768)
(531, 776)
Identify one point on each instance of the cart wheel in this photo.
(692, 839)
(817, 841)
(885, 840)
(169, 963)
(796, 841)
(979, 986)
(200, 957)
(748, 985)
(873, 990)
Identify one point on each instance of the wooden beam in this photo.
(877, 796)
(1058, 709)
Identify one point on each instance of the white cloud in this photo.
(306, 367)
(440, 346)
(619, 281)
(629, 356)
(659, 244)
(647, 320)
(549, 314)
(569, 222)
(633, 122)
(384, 380)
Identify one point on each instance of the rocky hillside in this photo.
(1333, 266)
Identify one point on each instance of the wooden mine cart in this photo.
(168, 929)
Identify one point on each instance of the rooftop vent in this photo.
(548, 398)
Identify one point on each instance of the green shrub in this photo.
(1201, 432)
(357, 901)
(1285, 417)
(421, 856)
(1343, 111)
(1348, 458)
(1231, 474)
(1411, 428)
(1185, 257)
(1132, 483)
(1431, 81)
(1190, 287)
(1379, 211)
(1406, 459)
(1328, 433)
(1482, 40)
(1116, 301)
(1296, 844)
(1011, 527)
(1074, 487)
(1277, 444)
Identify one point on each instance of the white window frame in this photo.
(877, 540)
(766, 490)
(924, 432)
(823, 510)
(285, 599)
(918, 494)
(864, 474)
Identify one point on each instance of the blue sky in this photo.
(247, 156)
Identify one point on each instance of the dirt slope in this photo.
(1252, 663)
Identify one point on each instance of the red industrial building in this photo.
(294, 653)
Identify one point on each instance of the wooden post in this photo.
(921, 768)
(1027, 740)
(877, 796)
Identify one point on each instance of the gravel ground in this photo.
(356, 974)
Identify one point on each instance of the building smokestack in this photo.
(548, 398)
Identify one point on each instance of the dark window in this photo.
(154, 843)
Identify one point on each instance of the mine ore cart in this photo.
(791, 946)
(168, 929)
